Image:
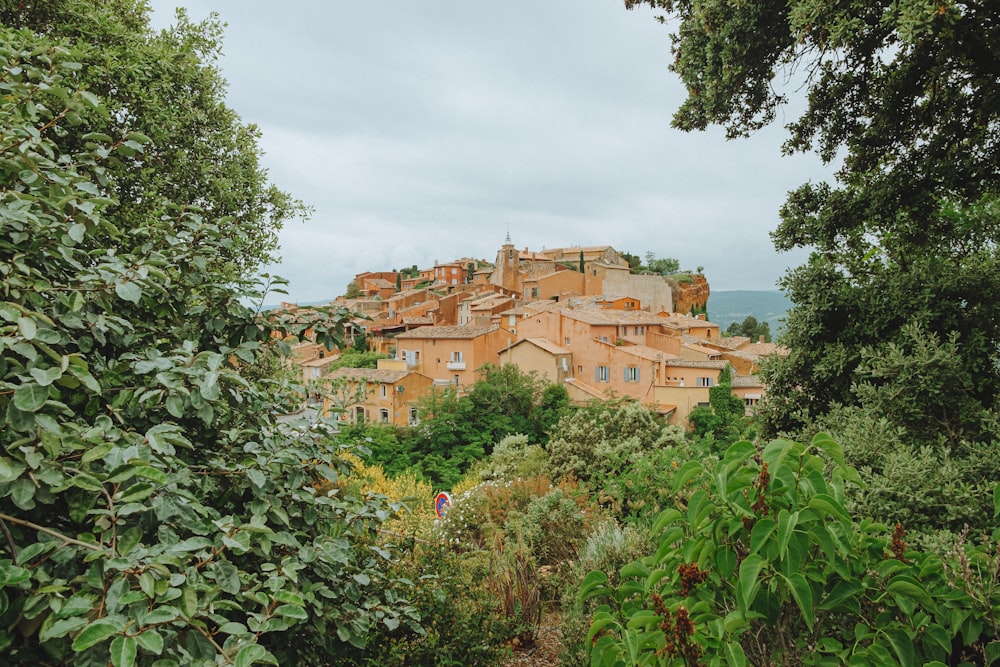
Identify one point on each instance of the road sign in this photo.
(442, 502)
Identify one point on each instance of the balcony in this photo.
(455, 365)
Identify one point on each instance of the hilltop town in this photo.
(578, 316)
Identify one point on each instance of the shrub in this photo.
(761, 563)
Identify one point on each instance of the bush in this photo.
(762, 564)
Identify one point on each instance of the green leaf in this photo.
(802, 593)
(831, 447)
(77, 231)
(762, 530)
(95, 633)
(902, 644)
(129, 291)
(10, 469)
(123, 651)
(256, 478)
(30, 397)
(291, 611)
(748, 584)
(289, 597)
(911, 588)
(46, 376)
(27, 327)
(252, 654)
(137, 492)
(151, 640)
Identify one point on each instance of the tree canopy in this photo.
(905, 98)
(153, 508)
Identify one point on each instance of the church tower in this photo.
(507, 271)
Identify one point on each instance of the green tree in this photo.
(724, 419)
(153, 508)
(904, 96)
(165, 86)
(352, 291)
(751, 328)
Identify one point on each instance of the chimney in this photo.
(761, 340)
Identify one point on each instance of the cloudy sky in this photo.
(423, 132)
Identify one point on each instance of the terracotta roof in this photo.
(544, 344)
(449, 331)
(731, 342)
(646, 352)
(690, 363)
(586, 388)
(368, 374)
(702, 349)
(319, 362)
(746, 381)
(614, 317)
(765, 349)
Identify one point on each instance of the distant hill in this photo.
(727, 307)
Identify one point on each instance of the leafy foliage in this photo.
(154, 510)
(750, 328)
(761, 563)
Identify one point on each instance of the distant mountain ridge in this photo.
(726, 307)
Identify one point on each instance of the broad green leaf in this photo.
(289, 597)
(30, 397)
(27, 327)
(151, 640)
(902, 644)
(97, 452)
(61, 628)
(748, 583)
(123, 651)
(129, 291)
(46, 376)
(10, 469)
(95, 633)
(911, 588)
(762, 530)
(256, 478)
(251, 654)
(831, 447)
(291, 611)
(802, 592)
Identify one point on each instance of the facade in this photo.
(451, 354)
(387, 394)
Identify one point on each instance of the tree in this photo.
(905, 95)
(724, 419)
(352, 291)
(750, 328)
(153, 508)
(165, 87)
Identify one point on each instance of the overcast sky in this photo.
(424, 131)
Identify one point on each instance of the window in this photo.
(383, 392)
(631, 373)
(456, 356)
(413, 417)
(604, 339)
(512, 320)
(383, 415)
(567, 340)
(534, 292)
(704, 382)
(456, 379)
(602, 374)
(640, 330)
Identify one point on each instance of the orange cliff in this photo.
(692, 297)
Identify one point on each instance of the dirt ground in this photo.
(544, 652)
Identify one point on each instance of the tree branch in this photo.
(54, 533)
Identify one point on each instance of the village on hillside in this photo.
(578, 316)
